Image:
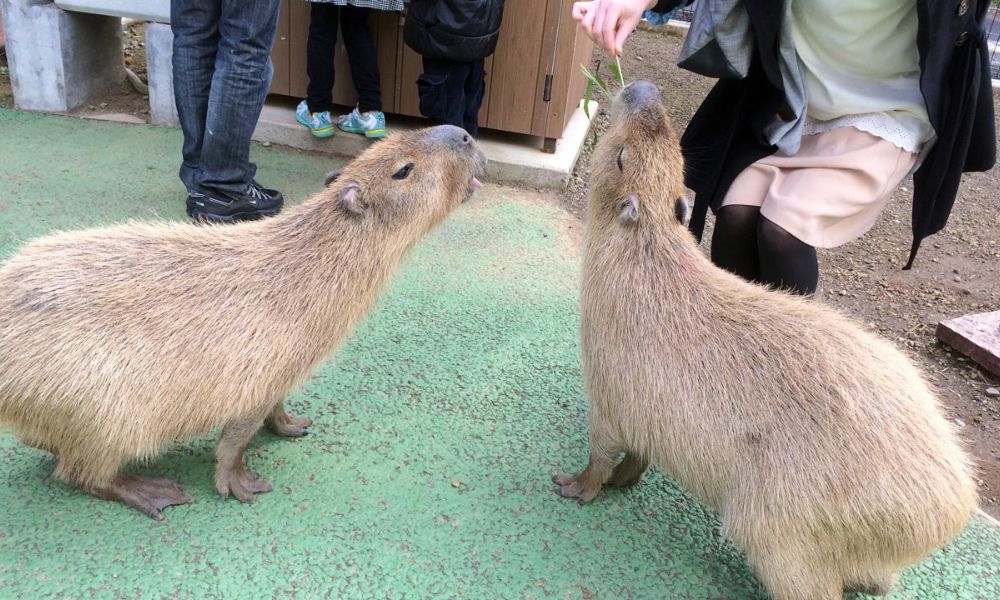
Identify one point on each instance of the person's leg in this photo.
(242, 77)
(734, 240)
(323, 21)
(785, 261)
(475, 87)
(442, 91)
(195, 25)
(363, 58)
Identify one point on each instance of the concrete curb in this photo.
(514, 159)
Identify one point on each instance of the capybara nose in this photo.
(640, 93)
(455, 138)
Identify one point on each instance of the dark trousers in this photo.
(222, 71)
(353, 21)
(451, 92)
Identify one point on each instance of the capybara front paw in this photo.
(576, 486)
(242, 484)
(286, 425)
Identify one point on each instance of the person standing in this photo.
(222, 71)
(804, 137)
(454, 37)
(351, 16)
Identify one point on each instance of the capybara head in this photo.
(410, 179)
(638, 171)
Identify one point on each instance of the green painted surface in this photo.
(436, 430)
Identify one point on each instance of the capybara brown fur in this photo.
(820, 444)
(116, 342)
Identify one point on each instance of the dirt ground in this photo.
(957, 271)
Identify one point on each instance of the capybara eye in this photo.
(621, 159)
(404, 172)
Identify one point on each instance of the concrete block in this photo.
(58, 59)
(976, 336)
(160, 74)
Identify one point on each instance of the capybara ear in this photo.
(350, 199)
(629, 212)
(332, 176)
(681, 209)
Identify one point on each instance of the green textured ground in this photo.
(436, 430)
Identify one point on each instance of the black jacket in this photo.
(726, 133)
(459, 30)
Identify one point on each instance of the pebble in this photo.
(992, 391)
(266, 144)
(960, 422)
(842, 292)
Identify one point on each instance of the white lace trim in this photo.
(890, 128)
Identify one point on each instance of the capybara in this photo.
(116, 342)
(820, 444)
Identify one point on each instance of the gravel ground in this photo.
(956, 271)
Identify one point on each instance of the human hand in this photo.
(609, 22)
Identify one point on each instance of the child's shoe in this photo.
(370, 124)
(318, 123)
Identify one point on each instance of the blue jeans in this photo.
(222, 71)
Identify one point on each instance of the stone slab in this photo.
(514, 159)
(976, 336)
(146, 10)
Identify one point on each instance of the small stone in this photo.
(842, 292)
(957, 279)
(960, 422)
(993, 392)
(266, 144)
(456, 484)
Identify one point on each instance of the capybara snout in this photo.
(642, 105)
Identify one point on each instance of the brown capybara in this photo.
(116, 342)
(819, 443)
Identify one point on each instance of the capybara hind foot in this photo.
(581, 486)
(242, 484)
(284, 424)
(148, 494)
(629, 471)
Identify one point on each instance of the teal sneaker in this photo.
(370, 124)
(318, 123)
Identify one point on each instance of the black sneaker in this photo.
(225, 207)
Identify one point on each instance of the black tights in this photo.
(756, 249)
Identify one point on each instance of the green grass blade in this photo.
(616, 70)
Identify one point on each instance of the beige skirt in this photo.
(831, 191)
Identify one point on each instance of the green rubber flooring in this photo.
(436, 430)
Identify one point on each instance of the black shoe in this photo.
(226, 207)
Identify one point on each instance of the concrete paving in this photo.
(436, 429)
